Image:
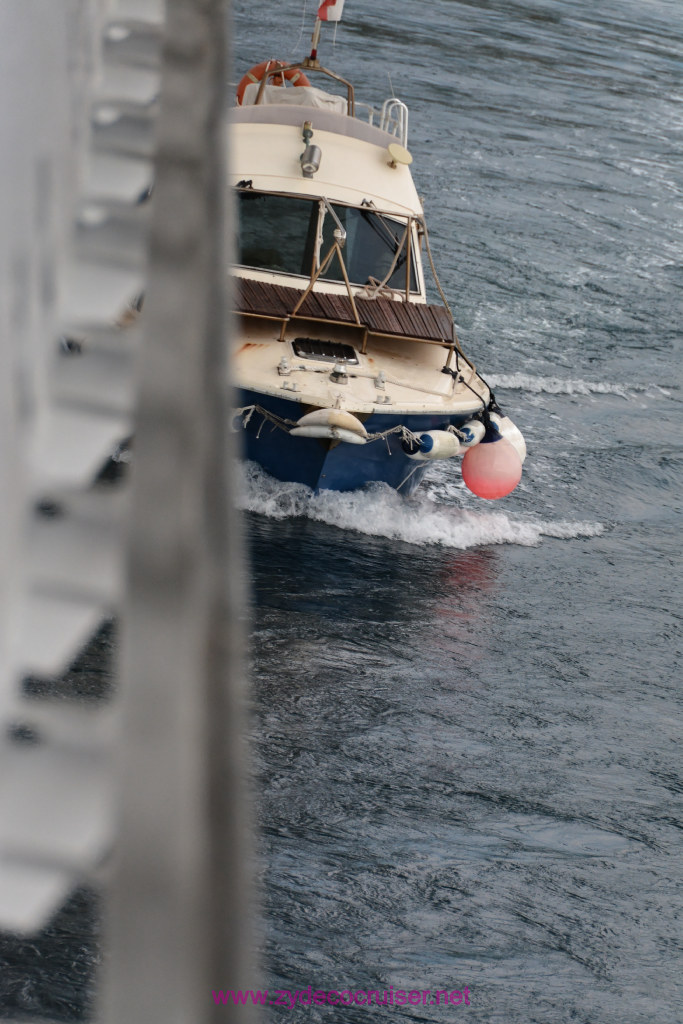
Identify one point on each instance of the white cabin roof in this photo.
(267, 142)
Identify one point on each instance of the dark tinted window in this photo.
(372, 241)
(276, 232)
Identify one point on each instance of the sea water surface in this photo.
(466, 712)
(466, 715)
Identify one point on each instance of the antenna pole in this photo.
(315, 40)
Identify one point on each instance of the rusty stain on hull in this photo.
(250, 344)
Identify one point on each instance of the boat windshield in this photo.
(277, 232)
(280, 234)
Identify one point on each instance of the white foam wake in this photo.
(563, 386)
(380, 512)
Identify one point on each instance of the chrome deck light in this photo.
(311, 156)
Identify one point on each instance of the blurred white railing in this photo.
(81, 85)
(79, 81)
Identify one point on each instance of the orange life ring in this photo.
(255, 74)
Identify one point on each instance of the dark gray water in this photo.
(465, 714)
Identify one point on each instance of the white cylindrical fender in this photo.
(339, 418)
(510, 432)
(471, 433)
(349, 436)
(436, 444)
(328, 433)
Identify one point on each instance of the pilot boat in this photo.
(346, 374)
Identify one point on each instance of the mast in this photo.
(329, 10)
(315, 39)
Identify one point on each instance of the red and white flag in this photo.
(331, 10)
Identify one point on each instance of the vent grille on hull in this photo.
(327, 351)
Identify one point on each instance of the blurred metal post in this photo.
(177, 915)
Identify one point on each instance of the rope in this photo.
(428, 247)
(474, 391)
(374, 287)
(247, 411)
(303, 25)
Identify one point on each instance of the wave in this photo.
(379, 511)
(563, 386)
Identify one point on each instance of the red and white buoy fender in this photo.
(510, 432)
(493, 468)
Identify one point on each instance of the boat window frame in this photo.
(412, 263)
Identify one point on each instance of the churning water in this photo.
(465, 713)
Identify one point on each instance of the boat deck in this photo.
(384, 317)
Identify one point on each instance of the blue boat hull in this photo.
(332, 465)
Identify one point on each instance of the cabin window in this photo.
(277, 232)
(372, 241)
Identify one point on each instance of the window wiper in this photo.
(371, 217)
